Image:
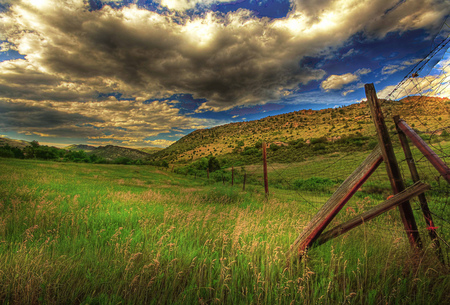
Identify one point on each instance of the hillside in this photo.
(111, 152)
(14, 143)
(302, 127)
(150, 150)
(86, 148)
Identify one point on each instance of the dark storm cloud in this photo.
(22, 115)
(228, 60)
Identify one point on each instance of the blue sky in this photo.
(145, 73)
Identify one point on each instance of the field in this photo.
(113, 234)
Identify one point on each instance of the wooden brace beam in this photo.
(412, 191)
(434, 159)
(339, 198)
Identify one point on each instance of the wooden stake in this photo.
(414, 190)
(434, 159)
(392, 168)
(339, 198)
(415, 177)
(266, 182)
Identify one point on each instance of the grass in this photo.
(111, 234)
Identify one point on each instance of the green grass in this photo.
(111, 234)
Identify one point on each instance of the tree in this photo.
(213, 164)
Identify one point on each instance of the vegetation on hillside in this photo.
(301, 133)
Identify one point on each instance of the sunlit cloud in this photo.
(74, 56)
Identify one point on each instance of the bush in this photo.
(5, 152)
(274, 147)
(251, 151)
(123, 160)
(318, 140)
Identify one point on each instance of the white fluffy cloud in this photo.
(337, 82)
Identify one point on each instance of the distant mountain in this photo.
(150, 150)
(303, 126)
(111, 152)
(14, 143)
(86, 148)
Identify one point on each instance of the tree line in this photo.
(44, 152)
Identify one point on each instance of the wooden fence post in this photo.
(415, 177)
(392, 168)
(266, 182)
(434, 159)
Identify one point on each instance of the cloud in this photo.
(391, 69)
(375, 17)
(437, 83)
(337, 82)
(124, 122)
(160, 143)
(74, 55)
(230, 60)
(350, 53)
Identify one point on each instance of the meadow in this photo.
(75, 233)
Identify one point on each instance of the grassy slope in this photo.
(304, 124)
(105, 234)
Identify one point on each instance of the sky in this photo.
(140, 73)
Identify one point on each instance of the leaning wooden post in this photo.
(392, 168)
(335, 203)
(434, 159)
(415, 177)
(266, 182)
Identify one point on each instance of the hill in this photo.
(14, 143)
(150, 150)
(111, 152)
(350, 125)
(86, 148)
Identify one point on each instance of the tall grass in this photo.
(110, 234)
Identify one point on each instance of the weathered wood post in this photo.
(266, 182)
(335, 203)
(434, 159)
(415, 177)
(392, 167)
